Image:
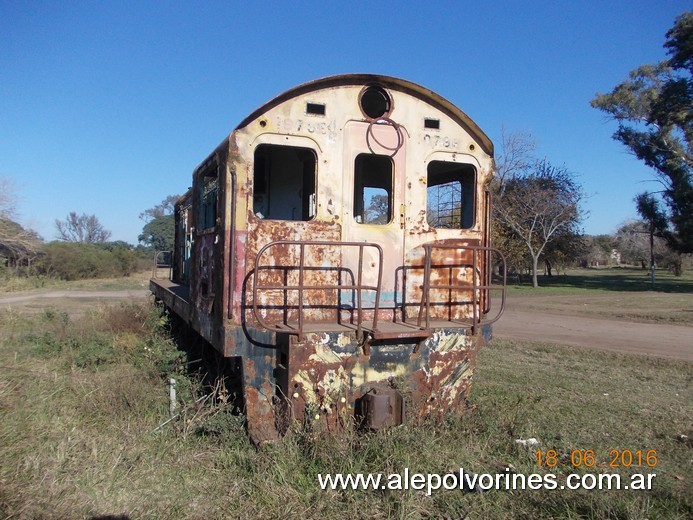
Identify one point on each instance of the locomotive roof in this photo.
(389, 82)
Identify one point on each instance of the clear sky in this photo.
(107, 107)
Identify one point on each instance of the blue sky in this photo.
(107, 107)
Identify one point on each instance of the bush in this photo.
(76, 261)
(124, 255)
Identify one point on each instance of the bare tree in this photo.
(16, 242)
(632, 242)
(516, 157)
(8, 198)
(539, 206)
(166, 208)
(83, 228)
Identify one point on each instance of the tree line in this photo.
(538, 205)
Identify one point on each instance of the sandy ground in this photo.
(56, 296)
(658, 340)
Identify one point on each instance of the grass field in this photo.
(621, 293)
(82, 400)
(13, 284)
(605, 279)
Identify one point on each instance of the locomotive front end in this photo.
(346, 260)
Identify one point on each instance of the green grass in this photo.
(621, 279)
(619, 293)
(81, 401)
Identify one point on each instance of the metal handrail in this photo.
(158, 264)
(301, 287)
(474, 287)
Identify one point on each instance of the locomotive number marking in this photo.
(308, 126)
(440, 141)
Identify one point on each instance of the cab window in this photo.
(284, 182)
(373, 178)
(450, 195)
(208, 193)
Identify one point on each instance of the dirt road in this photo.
(667, 341)
(659, 340)
(59, 295)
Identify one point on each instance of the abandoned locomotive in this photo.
(337, 245)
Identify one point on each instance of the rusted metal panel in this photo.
(325, 376)
(382, 408)
(324, 261)
(322, 380)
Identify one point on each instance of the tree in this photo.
(17, 244)
(597, 250)
(159, 230)
(8, 198)
(166, 207)
(516, 157)
(649, 209)
(632, 242)
(84, 229)
(566, 249)
(653, 109)
(159, 233)
(537, 207)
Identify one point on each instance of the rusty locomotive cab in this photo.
(337, 245)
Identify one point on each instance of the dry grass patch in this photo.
(82, 400)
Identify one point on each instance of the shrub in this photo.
(76, 261)
(123, 254)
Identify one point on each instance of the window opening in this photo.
(373, 189)
(450, 195)
(284, 182)
(432, 123)
(209, 189)
(317, 109)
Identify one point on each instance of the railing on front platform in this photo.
(479, 289)
(294, 277)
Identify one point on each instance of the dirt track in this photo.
(59, 295)
(667, 341)
(659, 340)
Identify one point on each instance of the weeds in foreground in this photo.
(84, 405)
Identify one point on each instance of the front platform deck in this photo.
(174, 295)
